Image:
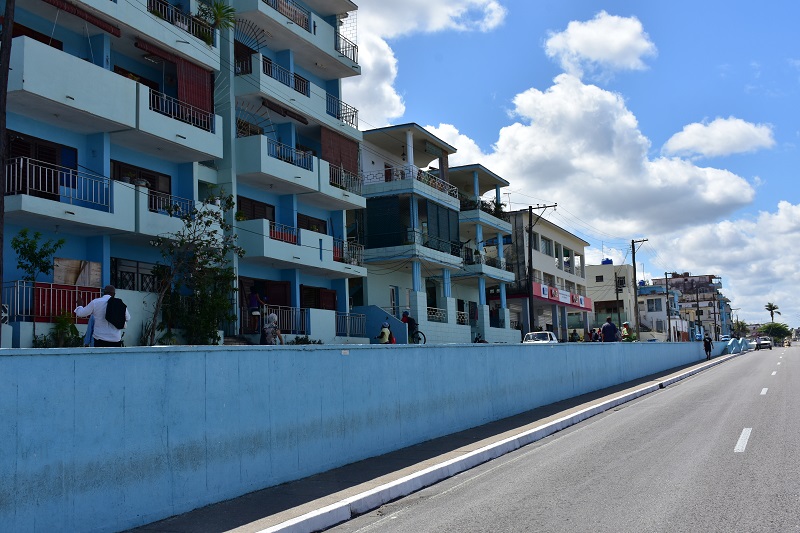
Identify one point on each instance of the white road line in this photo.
(774, 373)
(763, 392)
(779, 362)
(741, 444)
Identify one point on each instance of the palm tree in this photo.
(773, 309)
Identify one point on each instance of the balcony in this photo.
(492, 267)
(192, 25)
(397, 179)
(29, 301)
(349, 252)
(79, 201)
(172, 130)
(264, 163)
(153, 210)
(87, 98)
(404, 243)
(287, 247)
(337, 189)
(258, 77)
(317, 44)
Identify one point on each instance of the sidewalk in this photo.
(326, 499)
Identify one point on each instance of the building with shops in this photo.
(702, 302)
(425, 231)
(612, 292)
(118, 110)
(550, 292)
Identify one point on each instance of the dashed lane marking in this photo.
(741, 444)
(774, 373)
(763, 392)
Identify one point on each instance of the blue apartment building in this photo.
(118, 109)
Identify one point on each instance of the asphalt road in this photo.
(716, 452)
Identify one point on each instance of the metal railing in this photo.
(351, 325)
(434, 243)
(242, 65)
(346, 47)
(461, 318)
(290, 155)
(161, 202)
(174, 108)
(61, 184)
(437, 315)
(348, 252)
(282, 232)
(410, 172)
(193, 25)
(286, 77)
(291, 320)
(345, 180)
(292, 11)
(29, 301)
(342, 111)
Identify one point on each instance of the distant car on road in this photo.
(764, 342)
(540, 337)
(787, 343)
(724, 338)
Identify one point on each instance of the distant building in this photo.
(610, 287)
(701, 302)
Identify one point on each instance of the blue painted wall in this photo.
(105, 439)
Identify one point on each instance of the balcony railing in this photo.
(290, 155)
(284, 76)
(292, 11)
(410, 172)
(282, 232)
(291, 320)
(193, 25)
(160, 202)
(61, 184)
(344, 112)
(345, 180)
(468, 204)
(461, 318)
(174, 108)
(349, 252)
(435, 243)
(437, 315)
(242, 65)
(29, 301)
(351, 325)
(346, 47)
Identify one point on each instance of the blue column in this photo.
(500, 253)
(446, 283)
(503, 303)
(98, 249)
(416, 276)
(481, 291)
(476, 189)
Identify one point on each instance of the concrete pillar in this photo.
(481, 291)
(446, 283)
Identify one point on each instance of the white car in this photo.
(540, 337)
(724, 338)
(764, 342)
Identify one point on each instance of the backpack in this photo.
(268, 336)
(115, 312)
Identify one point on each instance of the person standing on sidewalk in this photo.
(609, 331)
(105, 334)
(707, 345)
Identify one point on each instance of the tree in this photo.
(194, 278)
(34, 258)
(773, 310)
(776, 330)
(218, 14)
(740, 328)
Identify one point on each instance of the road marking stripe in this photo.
(779, 362)
(763, 392)
(741, 444)
(774, 373)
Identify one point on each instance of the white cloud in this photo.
(604, 44)
(374, 93)
(721, 137)
(468, 150)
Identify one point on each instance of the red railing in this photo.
(43, 302)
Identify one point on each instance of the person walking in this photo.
(254, 304)
(609, 331)
(707, 345)
(105, 334)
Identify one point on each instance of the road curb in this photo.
(356, 505)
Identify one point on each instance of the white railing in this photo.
(161, 202)
(291, 320)
(411, 172)
(292, 11)
(351, 325)
(282, 232)
(462, 318)
(345, 180)
(349, 252)
(174, 108)
(192, 25)
(61, 184)
(43, 302)
(437, 315)
(290, 155)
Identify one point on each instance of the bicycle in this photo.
(417, 337)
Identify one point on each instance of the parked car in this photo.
(724, 338)
(764, 342)
(787, 343)
(540, 337)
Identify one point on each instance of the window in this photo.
(132, 275)
(248, 209)
(620, 282)
(547, 246)
(598, 279)
(654, 305)
(311, 223)
(158, 185)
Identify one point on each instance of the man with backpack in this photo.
(110, 315)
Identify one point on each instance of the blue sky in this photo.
(671, 121)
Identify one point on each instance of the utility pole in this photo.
(531, 224)
(635, 284)
(616, 293)
(669, 315)
(697, 316)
